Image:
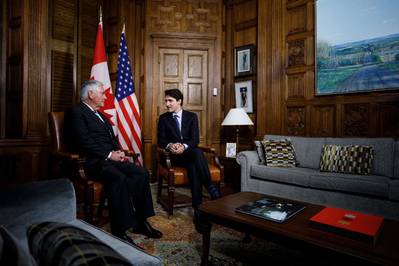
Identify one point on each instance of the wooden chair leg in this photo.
(89, 199)
(101, 205)
(159, 190)
(171, 194)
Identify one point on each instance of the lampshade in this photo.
(237, 117)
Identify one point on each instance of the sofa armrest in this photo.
(394, 190)
(246, 159)
(23, 205)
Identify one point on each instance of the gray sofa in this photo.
(377, 193)
(54, 200)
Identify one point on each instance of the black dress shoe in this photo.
(213, 192)
(130, 241)
(147, 230)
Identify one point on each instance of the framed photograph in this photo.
(243, 92)
(231, 149)
(357, 46)
(244, 58)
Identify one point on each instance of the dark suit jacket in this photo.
(167, 132)
(86, 134)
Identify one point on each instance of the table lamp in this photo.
(237, 117)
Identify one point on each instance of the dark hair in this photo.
(175, 93)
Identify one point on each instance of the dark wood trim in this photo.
(246, 24)
(183, 36)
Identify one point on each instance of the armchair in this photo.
(177, 176)
(72, 163)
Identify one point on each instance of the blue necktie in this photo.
(175, 116)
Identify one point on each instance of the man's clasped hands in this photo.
(176, 148)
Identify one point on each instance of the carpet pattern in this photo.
(182, 245)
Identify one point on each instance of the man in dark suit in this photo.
(179, 133)
(88, 132)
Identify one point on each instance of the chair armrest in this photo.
(132, 154)
(215, 156)
(207, 149)
(163, 152)
(75, 159)
(66, 155)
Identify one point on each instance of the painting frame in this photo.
(244, 60)
(353, 61)
(243, 95)
(231, 149)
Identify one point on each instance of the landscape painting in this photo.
(357, 46)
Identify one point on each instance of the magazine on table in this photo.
(272, 209)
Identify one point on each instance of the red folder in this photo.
(348, 223)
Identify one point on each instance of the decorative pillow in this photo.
(12, 252)
(279, 153)
(53, 243)
(259, 151)
(351, 159)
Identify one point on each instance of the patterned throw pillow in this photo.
(351, 159)
(279, 153)
(259, 151)
(54, 244)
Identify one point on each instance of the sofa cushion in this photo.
(49, 200)
(371, 185)
(307, 149)
(53, 243)
(383, 152)
(296, 175)
(11, 251)
(351, 159)
(260, 151)
(396, 161)
(279, 153)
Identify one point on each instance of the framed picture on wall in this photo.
(243, 93)
(244, 60)
(357, 47)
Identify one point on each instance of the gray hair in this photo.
(89, 85)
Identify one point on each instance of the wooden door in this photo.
(186, 70)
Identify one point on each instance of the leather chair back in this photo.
(56, 124)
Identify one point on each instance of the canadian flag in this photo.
(99, 71)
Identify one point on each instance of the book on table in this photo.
(272, 209)
(348, 223)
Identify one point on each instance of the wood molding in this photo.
(182, 36)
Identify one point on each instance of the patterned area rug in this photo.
(182, 245)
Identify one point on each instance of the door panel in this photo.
(186, 70)
(195, 84)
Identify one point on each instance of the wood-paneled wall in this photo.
(47, 47)
(241, 27)
(195, 25)
(286, 82)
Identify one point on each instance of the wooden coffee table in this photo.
(296, 230)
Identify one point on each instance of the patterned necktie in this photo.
(175, 117)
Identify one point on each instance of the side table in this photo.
(232, 175)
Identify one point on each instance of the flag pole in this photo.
(100, 12)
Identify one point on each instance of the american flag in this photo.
(127, 107)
